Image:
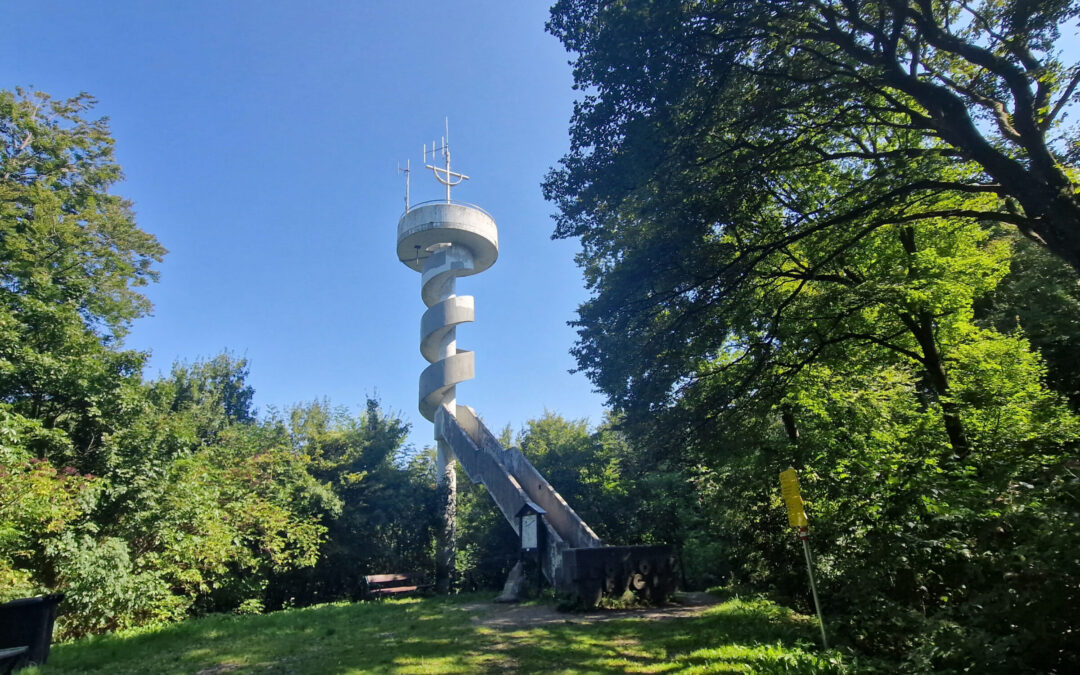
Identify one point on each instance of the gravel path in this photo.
(522, 616)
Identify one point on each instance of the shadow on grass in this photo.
(433, 634)
(437, 635)
(736, 636)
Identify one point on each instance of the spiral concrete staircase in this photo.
(444, 241)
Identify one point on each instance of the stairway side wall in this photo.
(570, 527)
(481, 466)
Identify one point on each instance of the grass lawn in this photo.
(450, 635)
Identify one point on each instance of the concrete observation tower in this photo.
(444, 240)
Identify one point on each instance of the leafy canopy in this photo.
(798, 84)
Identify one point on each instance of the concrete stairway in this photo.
(512, 482)
(573, 559)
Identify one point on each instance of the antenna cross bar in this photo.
(440, 172)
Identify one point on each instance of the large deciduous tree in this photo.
(71, 261)
(788, 212)
(715, 140)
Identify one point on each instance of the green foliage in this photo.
(103, 589)
(71, 259)
(729, 99)
(919, 558)
(67, 242)
(146, 501)
(230, 515)
(215, 393)
(1040, 296)
(786, 238)
(202, 509)
(382, 513)
(37, 504)
(487, 547)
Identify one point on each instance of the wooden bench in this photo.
(11, 657)
(390, 585)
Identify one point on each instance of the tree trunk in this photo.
(921, 325)
(938, 381)
(791, 428)
(1059, 229)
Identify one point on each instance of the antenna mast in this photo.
(443, 174)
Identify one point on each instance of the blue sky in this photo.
(260, 142)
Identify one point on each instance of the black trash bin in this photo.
(28, 622)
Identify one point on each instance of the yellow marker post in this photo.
(789, 489)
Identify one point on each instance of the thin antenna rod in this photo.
(407, 171)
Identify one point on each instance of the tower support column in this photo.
(446, 535)
(439, 285)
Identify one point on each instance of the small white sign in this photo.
(528, 531)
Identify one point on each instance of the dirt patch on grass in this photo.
(512, 617)
(218, 669)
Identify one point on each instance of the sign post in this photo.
(789, 488)
(531, 529)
